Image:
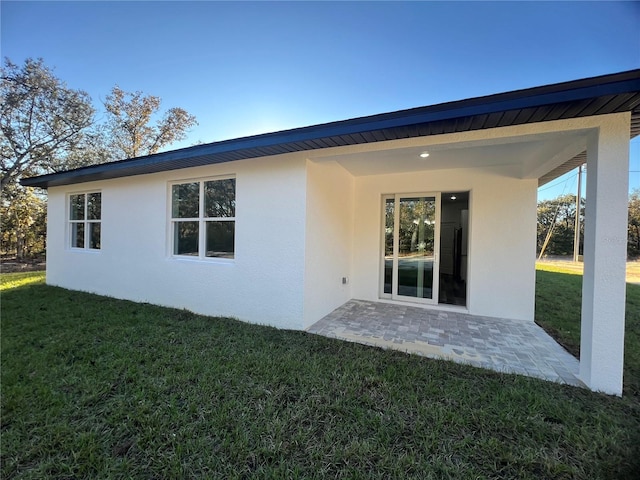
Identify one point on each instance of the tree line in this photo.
(559, 216)
(48, 127)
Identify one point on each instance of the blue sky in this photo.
(251, 67)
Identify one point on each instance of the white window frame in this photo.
(85, 221)
(201, 219)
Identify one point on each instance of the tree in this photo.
(559, 214)
(128, 131)
(22, 221)
(41, 119)
(48, 127)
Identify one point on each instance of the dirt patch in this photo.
(633, 272)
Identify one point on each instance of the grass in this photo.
(558, 300)
(14, 280)
(94, 387)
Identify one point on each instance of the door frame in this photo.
(436, 250)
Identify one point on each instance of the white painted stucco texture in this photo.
(329, 239)
(605, 252)
(263, 284)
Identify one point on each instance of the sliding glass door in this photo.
(411, 245)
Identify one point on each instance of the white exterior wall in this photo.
(303, 224)
(329, 239)
(502, 222)
(263, 284)
(300, 227)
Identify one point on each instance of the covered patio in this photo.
(506, 346)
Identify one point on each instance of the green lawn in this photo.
(94, 387)
(558, 298)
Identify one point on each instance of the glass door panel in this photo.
(389, 218)
(416, 247)
(411, 242)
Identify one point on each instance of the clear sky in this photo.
(252, 67)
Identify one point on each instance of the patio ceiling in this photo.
(514, 151)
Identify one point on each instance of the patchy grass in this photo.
(558, 305)
(94, 387)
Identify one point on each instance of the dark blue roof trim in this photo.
(593, 96)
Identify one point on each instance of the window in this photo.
(85, 213)
(203, 218)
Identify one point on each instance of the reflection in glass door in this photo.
(411, 238)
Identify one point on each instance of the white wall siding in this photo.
(263, 284)
(329, 239)
(502, 212)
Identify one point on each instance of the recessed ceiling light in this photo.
(424, 154)
(453, 197)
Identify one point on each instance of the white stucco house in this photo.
(435, 206)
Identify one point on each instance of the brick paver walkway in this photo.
(509, 346)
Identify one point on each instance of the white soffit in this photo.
(523, 150)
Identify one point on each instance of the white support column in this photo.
(605, 251)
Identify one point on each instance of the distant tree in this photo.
(633, 245)
(129, 132)
(41, 119)
(22, 221)
(559, 215)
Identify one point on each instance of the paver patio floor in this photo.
(509, 346)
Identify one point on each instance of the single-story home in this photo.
(432, 206)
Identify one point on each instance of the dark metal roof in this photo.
(605, 94)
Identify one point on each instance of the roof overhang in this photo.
(615, 93)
